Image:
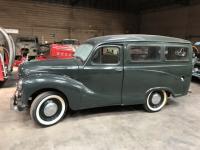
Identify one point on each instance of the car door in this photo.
(143, 69)
(102, 77)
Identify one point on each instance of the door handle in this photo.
(118, 69)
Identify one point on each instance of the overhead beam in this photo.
(156, 4)
(74, 2)
(184, 2)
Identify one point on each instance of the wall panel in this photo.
(42, 19)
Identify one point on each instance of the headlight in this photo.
(19, 84)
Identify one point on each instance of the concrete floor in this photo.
(176, 127)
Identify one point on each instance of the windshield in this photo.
(83, 51)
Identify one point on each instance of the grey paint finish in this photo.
(88, 85)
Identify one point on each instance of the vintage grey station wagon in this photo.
(109, 70)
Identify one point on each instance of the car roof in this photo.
(136, 38)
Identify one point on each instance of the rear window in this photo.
(176, 53)
(144, 53)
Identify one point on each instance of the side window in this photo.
(144, 53)
(176, 53)
(107, 55)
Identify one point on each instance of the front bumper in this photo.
(16, 103)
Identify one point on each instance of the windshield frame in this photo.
(85, 61)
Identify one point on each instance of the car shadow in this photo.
(101, 111)
(171, 102)
(9, 83)
(105, 110)
(195, 80)
(94, 112)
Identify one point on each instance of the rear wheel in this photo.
(48, 108)
(155, 101)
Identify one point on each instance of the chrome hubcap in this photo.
(50, 109)
(156, 98)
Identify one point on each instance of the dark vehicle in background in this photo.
(70, 42)
(26, 49)
(106, 71)
(196, 69)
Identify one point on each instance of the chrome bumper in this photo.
(16, 104)
(13, 105)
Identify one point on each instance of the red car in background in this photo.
(64, 49)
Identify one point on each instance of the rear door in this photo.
(178, 63)
(142, 70)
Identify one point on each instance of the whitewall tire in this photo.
(155, 100)
(48, 108)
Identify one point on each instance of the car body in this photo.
(107, 71)
(30, 44)
(196, 50)
(196, 70)
(72, 42)
(62, 51)
(196, 61)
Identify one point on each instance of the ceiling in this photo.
(135, 6)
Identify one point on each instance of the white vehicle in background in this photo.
(28, 45)
(26, 49)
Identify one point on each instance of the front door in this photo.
(102, 77)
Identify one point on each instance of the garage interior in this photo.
(177, 126)
(67, 19)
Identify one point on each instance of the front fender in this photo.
(68, 86)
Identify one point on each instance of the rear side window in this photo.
(144, 53)
(106, 55)
(176, 53)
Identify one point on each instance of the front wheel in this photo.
(48, 108)
(155, 101)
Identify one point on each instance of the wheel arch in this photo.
(167, 90)
(36, 93)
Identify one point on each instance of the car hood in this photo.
(62, 67)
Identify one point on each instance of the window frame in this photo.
(145, 45)
(106, 64)
(179, 46)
